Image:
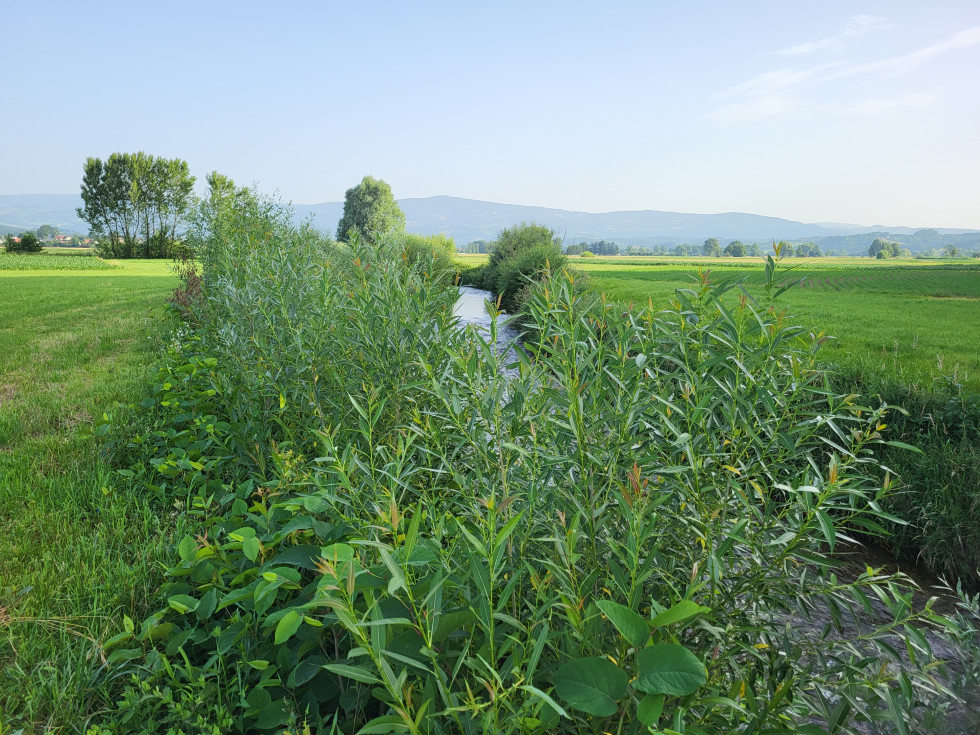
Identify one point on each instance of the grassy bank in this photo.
(78, 547)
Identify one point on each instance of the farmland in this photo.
(917, 321)
(53, 259)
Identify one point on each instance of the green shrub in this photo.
(588, 254)
(519, 257)
(440, 249)
(938, 486)
(629, 533)
(517, 274)
(509, 243)
(28, 244)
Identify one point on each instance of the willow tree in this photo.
(370, 209)
(134, 203)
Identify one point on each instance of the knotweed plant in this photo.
(629, 531)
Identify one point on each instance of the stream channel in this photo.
(471, 309)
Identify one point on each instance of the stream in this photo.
(471, 309)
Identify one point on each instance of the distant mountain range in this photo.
(467, 220)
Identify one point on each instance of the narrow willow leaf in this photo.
(827, 526)
(353, 672)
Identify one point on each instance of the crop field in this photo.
(62, 260)
(917, 321)
(78, 549)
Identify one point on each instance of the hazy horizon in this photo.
(855, 113)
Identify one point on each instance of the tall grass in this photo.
(629, 534)
(938, 486)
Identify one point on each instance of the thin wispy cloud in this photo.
(781, 92)
(758, 108)
(775, 81)
(855, 27)
(908, 62)
(877, 106)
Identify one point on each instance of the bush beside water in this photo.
(390, 535)
(520, 255)
(938, 487)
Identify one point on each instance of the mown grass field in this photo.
(78, 548)
(915, 321)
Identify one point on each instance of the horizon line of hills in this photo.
(469, 220)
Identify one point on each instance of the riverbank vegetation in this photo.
(521, 255)
(902, 333)
(336, 510)
(386, 533)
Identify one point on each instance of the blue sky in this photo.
(863, 112)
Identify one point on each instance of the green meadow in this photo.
(917, 321)
(79, 548)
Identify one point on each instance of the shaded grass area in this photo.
(78, 548)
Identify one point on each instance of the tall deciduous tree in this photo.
(883, 249)
(736, 249)
(134, 203)
(369, 210)
(711, 247)
(46, 232)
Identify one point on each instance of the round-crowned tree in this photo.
(369, 210)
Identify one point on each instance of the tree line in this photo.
(134, 203)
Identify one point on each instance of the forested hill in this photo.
(467, 220)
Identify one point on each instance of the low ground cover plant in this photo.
(631, 531)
